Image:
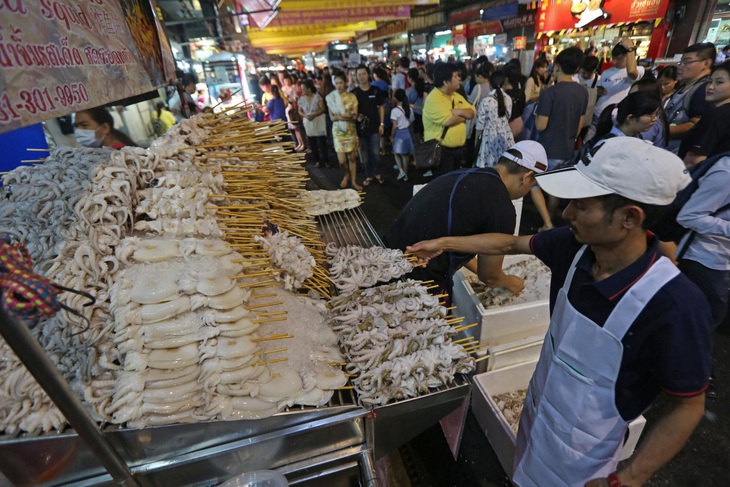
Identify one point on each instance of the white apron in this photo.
(570, 430)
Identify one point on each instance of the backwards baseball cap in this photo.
(626, 166)
(531, 155)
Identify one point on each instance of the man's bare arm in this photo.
(663, 441)
(486, 243)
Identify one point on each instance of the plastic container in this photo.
(496, 427)
(258, 478)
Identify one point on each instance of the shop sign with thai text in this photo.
(476, 29)
(389, 30)
(62, 56)
(521, 21)
(293, 18)
(576, 14)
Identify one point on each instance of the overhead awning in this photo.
(302, 26)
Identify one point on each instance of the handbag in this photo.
(428, 154)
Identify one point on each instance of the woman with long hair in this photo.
(95, 128)
(162, 119)
(481, 90)
(633, 115)
(275, 107)
(402, 116)
(667, 78)
(493, 133)
(343, 112)
(537, 80)
(416, 95)
(312, 111)
(657, 134)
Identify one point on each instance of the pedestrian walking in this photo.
(401, 117)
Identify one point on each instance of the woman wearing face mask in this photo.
(95, 128)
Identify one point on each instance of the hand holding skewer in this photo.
(425, 250)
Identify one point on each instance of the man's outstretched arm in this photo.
(485, 243)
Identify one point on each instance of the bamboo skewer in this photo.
(264, 305)
(270, 338)
(269, 320)
(462, 328)
(273, 313)
(275, 350)
(275, 361)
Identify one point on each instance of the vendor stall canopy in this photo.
(298, 27)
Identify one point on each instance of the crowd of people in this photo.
(620, 150)
(614, 150)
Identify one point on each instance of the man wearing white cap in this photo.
(625, 323)
(467, 202)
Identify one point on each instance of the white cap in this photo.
(532, 155)
(626, 166)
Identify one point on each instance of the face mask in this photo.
(87, 138)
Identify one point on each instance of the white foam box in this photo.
(503, 325)
(495, 425)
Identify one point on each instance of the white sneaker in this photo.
(428, 174)
(401, 176)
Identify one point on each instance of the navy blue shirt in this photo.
(668, 347)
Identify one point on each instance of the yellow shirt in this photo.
(436, 111)
(268, 96)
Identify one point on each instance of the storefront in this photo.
(487, 39)
(719, 28)
(442, 46)
(602, 24)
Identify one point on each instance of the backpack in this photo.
(529, 114)
(666, 227)
(588, 149)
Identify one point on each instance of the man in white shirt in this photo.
(617, 81)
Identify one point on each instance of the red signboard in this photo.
(464, 17)
(476, 29)
(520, 43)
(458, 34)
(293, 18)
(576, 14)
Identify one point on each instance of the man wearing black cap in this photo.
(621, 318)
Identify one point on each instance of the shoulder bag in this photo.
(428, 153)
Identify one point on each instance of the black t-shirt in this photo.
(710, 136)
(367, 104)
(563, 103)
(481, 205)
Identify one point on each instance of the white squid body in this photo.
(231, 299)
(235, 408)
(242, 327)
(155, 288)
(151, 313)
(156, 250)
(213, 317)
(284, 383)
(173, 358)
(215, 248)
(213, 284)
